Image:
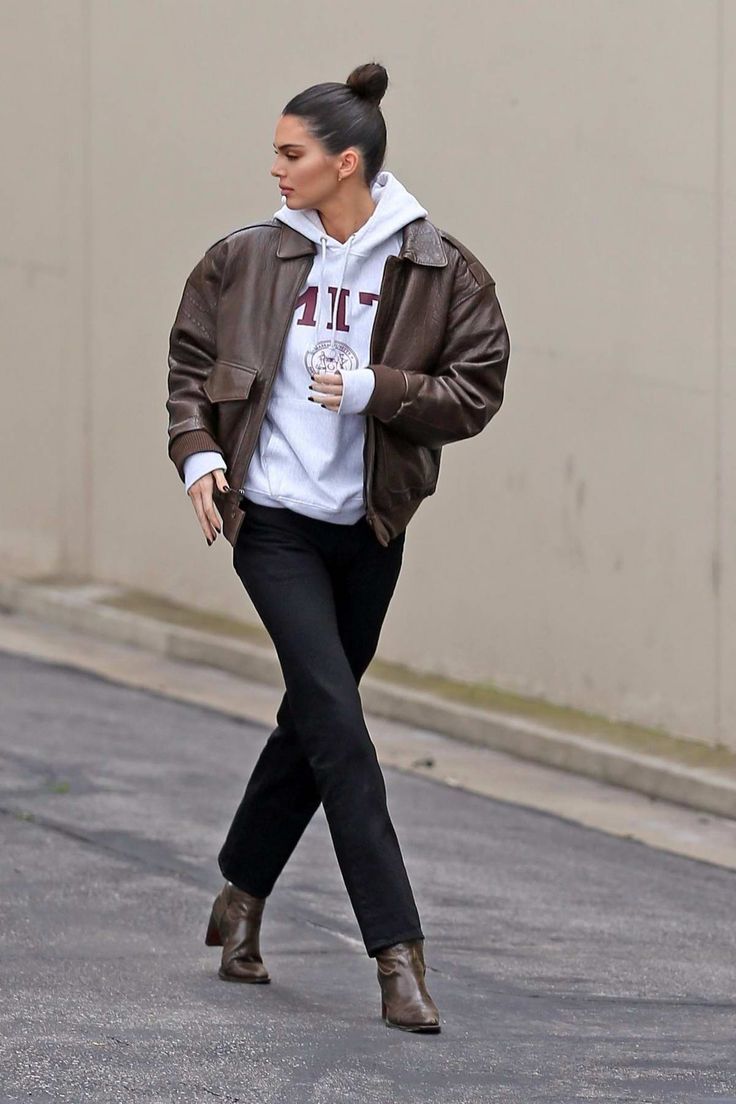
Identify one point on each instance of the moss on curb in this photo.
(624, 734)
(481, 695)
(173, 613)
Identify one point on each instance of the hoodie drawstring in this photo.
(324, 291)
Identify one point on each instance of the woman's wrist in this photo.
(200, 463)
(357, 388)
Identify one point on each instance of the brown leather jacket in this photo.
(439, 351)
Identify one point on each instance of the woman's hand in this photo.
(201, 496)
(328, 388)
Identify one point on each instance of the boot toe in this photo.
(244, 971)
(417, 1018)
(430, 1027)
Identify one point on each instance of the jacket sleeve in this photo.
(192, 352)
(465, 390)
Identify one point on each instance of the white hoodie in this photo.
(309, 458)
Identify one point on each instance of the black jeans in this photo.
(322, 591)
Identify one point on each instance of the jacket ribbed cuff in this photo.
(196, 440)
(388, 393)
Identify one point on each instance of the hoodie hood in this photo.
(395, 207)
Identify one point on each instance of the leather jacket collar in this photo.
(422, 243)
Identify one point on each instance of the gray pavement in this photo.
(568, 965)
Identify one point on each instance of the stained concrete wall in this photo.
(583, 547)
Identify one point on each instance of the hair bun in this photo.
(369, 81)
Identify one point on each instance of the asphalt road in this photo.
(568, 965)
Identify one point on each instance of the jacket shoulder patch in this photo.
(478, 271)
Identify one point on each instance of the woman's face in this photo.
(302, 165)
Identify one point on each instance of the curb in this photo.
(77, 607)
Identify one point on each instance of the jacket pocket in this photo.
(406, 468)
(229, 382)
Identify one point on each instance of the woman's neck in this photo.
(343, 217)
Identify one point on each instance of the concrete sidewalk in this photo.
(674, 770)
(413, 749)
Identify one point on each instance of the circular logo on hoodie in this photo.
(328, 356)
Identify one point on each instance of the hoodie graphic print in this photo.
(309, 458)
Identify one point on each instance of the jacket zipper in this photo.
(371, 428)
(290, 315)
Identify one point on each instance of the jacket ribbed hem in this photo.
(196, 440)
(389, 392)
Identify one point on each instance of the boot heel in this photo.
(213, 937)
(383, 1009)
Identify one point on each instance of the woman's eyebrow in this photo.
(287, 145)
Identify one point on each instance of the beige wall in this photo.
(583, 548)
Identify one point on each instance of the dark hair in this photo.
(342, 115)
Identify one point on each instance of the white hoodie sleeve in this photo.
(357, 388)
(199, 463)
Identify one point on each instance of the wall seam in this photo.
(718, 371)
(86, 276)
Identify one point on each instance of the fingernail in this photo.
(226, 488)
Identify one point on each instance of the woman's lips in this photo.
(283, 189)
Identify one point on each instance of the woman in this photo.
(322, 359)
